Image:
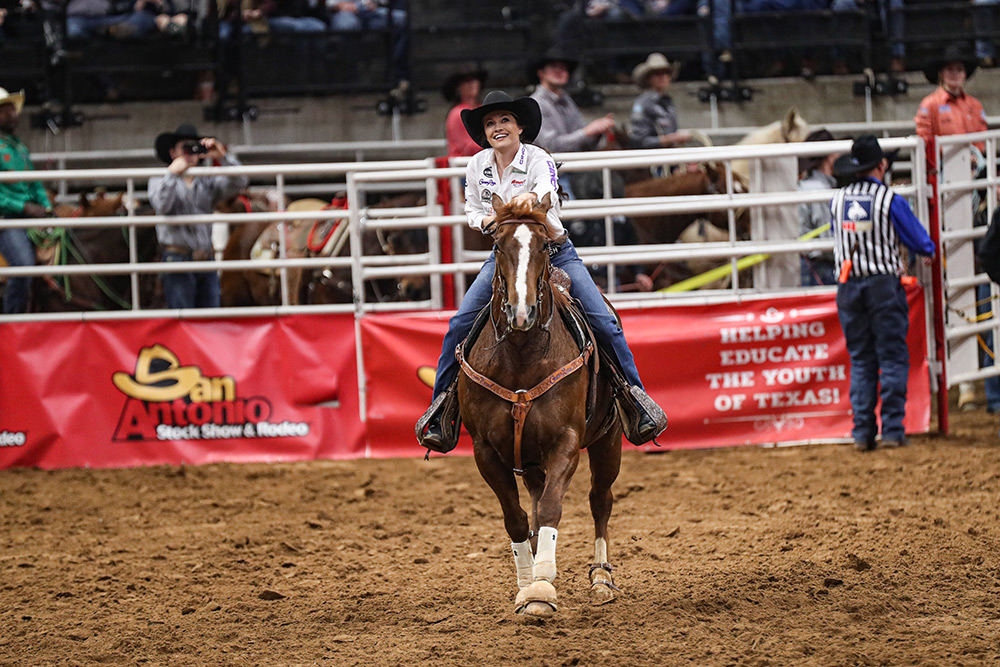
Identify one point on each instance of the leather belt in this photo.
(196, 255)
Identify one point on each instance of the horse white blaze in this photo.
(523, 235)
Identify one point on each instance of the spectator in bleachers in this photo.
(176, 193)
(167, 18)
(21, 199)
(669, 7)
(295, 16)
(951, 110)
(250, 14)
(890, 16)
(563, 129)
(462, 89)
(89, 19)
(654, 116)
(986, 50)
(817, 174)
(358, 15)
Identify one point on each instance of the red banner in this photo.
(762, 371)
(124, 393)
(143, 392)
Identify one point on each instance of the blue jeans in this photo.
(189, 290)
(874, 316)
(379, 18)
(991, 384)
(18, 250)
(984, 20)
(87, 27)
(295, 24)
(609, 335)
(890, 13)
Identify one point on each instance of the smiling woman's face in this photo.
(502, 129)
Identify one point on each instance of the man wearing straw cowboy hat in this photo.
(176, 193)
(22, 199)
(654, 116)
(869, 221)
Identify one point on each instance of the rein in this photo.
(522, 399)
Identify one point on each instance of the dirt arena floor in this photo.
(815, 555)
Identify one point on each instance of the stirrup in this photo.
(445, 409)
(634, 406)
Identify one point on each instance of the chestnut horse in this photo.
(529, 349)
(92, 245)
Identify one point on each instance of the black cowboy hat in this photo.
(810, 163)
(865, 154)
(953, 53)
(168, 140)
(529, 116)
(553, 55)
(449, 89)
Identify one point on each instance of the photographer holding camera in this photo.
(176, 193)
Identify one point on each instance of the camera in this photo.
(194, 148)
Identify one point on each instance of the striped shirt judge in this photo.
(869, 221)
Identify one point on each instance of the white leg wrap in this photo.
(545, 558)
(524, 561)
(600, 550)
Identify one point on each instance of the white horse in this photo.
(792, 127)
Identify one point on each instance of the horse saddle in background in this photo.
(266, 247)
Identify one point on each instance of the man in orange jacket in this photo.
(949, 109)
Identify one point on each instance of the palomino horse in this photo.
(92, 245)
(529, 348)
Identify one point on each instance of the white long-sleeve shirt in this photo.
(531, 170)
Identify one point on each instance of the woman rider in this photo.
(514, 169)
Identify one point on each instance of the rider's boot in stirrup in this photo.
(645, 420)
(438, 428)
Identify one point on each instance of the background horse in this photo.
(524, 347)
(93, 245)
(321, 285)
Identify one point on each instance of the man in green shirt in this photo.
(22, 199)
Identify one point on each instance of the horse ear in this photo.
(546, 202)
(497, 202)
(117, 201)
(84, 202)
(791, 122)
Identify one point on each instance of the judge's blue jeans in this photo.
(874, 316)
(605, 326)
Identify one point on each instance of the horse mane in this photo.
(520, 210)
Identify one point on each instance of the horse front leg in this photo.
(539, 599)
(500, 478)
(605, 463)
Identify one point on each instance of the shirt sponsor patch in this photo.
(487, 181)
(488, 172)
(486, 196)
(516, 183)
(552, 174)
(857, 213)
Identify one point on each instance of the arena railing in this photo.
(363, 177)
(411, 172)
(968, 171)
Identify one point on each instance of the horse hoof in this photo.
(537, 599)
(538, 610)
(601, 593)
